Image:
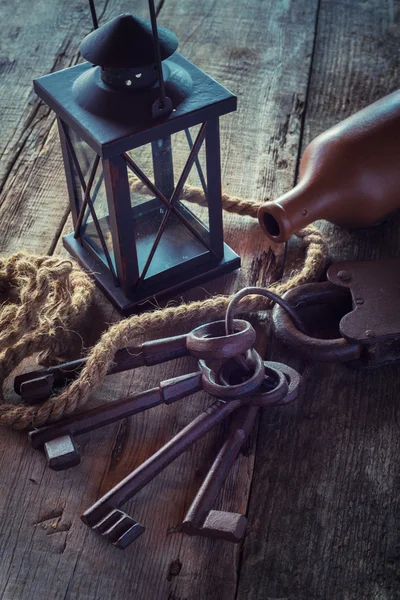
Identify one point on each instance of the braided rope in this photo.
(53, 295)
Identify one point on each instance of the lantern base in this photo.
(145, 299)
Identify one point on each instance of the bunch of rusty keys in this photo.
(265, 383)
(204, 342)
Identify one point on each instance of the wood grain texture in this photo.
(29, 148)
(324, 508)
(46, 551)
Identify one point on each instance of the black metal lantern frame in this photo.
(141, 244)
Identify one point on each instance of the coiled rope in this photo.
(52, 295)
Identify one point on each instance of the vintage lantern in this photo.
(137, 123)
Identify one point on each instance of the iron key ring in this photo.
(258, 291)
(269, 397)
(211, 385)
(211, 340)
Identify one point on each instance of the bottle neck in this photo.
(296, 209)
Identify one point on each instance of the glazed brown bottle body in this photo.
(349, 175)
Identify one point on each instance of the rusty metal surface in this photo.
(201, 519)
(62, 453)
(167, 391)
(240, 385)
(310, 348)
(245, 386)
(33, 391)
(147, 354)
(375, 291)
(35, 386)
(227, 528)
(369, 329)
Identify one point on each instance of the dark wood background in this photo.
(320, 480)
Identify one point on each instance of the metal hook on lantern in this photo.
(163, 105)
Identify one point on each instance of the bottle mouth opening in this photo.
(271, 225)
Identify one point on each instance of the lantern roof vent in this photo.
(126, 42)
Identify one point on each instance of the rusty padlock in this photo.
(369, 330)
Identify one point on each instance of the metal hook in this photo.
(258, 291)
(163, 106)
(94, 15)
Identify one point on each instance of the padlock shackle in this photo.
(310, 348)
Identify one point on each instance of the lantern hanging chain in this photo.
(57, 314)
(157, 54)
(94, 15)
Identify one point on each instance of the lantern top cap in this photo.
(126, 42)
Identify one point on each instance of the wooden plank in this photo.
(30, 47)
(196, 557)
(32, 210)
(35, 42)
(324, 507)
(253, 62)
(49, 553)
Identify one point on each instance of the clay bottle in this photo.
(349, 175)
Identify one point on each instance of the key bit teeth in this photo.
(129, 536)
(62, 453)
(106, 523)
(119, 529)
(221, 525)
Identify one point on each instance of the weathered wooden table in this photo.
(320, 480)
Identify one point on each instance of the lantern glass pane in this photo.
(85, 156)
(197, 178)
(99, 235)
(95, 228)
(185, 231)
(177, 244)
(143, 158)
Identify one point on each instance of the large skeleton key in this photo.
(58, 440)
(38, 385)
(102, 515)
(203, 342)
(118, 527)
(200, 518)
